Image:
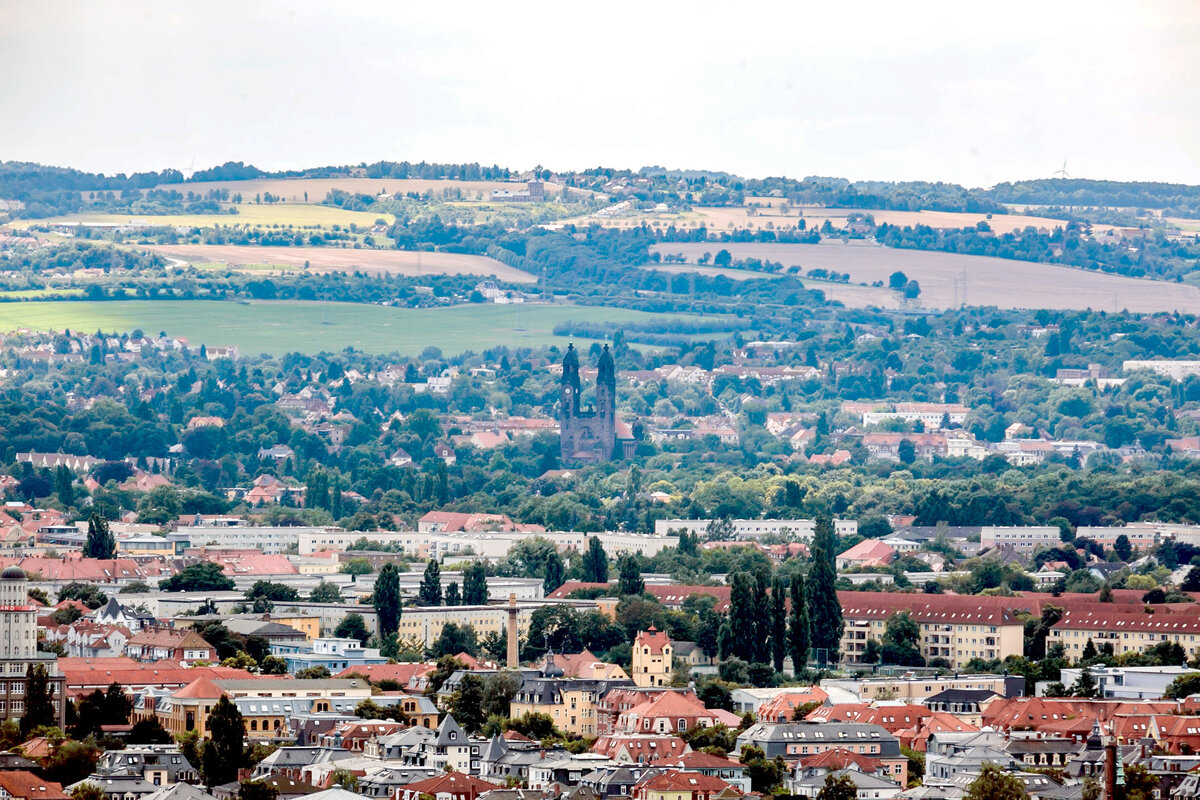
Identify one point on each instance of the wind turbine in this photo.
(187, 173)
(1062, 173)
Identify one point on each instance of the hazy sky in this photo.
(959, 91)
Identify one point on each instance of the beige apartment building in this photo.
(1127, 632)
(954, 629)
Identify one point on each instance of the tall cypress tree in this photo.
(224, 753)
(798, 626)
(824, 537)
(823, 607)
(474, 589)
(386, 599)
(595, 562)
(430, 591)
(556, 573)
(779, 622)
(741, 622)
(630, 575)
(453, 598)
(39, 707)
(762, 618)
(100, 541)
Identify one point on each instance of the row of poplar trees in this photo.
(764, 627)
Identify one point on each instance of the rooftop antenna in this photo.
(1062, 173)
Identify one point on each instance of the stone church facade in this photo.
(590, 435)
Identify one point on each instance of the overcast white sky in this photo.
(960, 91)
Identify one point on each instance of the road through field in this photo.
(949, 279)
(336, 259)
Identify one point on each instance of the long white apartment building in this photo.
(485, 544)
(1175, 370)
(803, 529)
(1022, 538)
(931, 415)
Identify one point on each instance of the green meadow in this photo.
(277, 327)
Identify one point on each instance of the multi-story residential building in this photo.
(931, 415)
(1175, 370)
(1143, 537)
(887, 445)
(916, 688)
(266, 704)
(429, 543)
(652, 658)
(1128, 683)
(450, 749)
(795, 740)
(802, 529)
(953, 629)
(157, 764)
(570, 702)
(19, 655)
(164, 644)
(1022, 538)
(611, 704)
(335, 654)
(1127, 631)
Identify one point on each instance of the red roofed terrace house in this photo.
(184, 647)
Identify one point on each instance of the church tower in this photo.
(570, 382)
(606, 400)
(588, 435)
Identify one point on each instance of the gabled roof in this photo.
(454, 783)
(449, 732)
(20, 783)
(679, 781)
(653, 638)
(200, 689)
(840, 758)
(179, 791)
(695, 760)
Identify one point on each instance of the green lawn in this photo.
(277, 327)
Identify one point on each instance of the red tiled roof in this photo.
(134, 675)
(452, 783)
(1116, 621)
(784, 705)
(638, 745)
(694, 760)
(171, 639)
(23, 784)
(678, 781)
(871, 550)
(840, 758)
(255, 563)
(91, 570)
(401, 673)
(653, 638)
(200, 689)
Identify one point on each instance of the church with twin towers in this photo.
(593, 434)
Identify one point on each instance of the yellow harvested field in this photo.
(333, 259)
(249, 215)
(725, 218)
(948, 279)
(1184, 224)
(293, 190)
